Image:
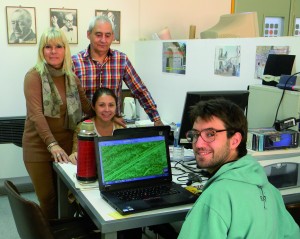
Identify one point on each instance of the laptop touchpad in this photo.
(155, 201)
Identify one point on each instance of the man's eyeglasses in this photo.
(208, 135)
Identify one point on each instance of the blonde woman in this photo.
(54, 101)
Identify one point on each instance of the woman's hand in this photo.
(73, 158)
(59, 154)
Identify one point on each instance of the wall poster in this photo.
(21, 25)
(262, 53)
(227, 60)
(66, 20)
(174, 57)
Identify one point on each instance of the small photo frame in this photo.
(115, 17)
(67, 21)
(21, 25)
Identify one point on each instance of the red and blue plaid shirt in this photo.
(110, 74)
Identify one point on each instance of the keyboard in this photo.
(145, 193)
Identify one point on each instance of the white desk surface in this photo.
(109, 220)
(108, 213)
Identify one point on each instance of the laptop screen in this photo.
(123, 160)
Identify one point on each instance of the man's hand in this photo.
(120, 121)
(158, 123)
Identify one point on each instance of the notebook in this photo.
(136, 163)
(148, 130)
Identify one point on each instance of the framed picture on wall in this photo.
(21, 25)
(67, 21)
(115, 17)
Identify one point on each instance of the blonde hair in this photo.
(56, 36)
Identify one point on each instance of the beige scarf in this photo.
(52, 100)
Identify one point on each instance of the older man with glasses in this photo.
(237, 201)
(21, 22)
(69, 29)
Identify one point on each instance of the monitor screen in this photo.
(118, 167)
(277, 65)
(238, 97)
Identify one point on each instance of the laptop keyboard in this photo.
(145, 193)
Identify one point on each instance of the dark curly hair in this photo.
(230, 113)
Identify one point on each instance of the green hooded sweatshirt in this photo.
(239, 202)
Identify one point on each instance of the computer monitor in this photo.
(238, 97)
(235, 25)
(277, 65)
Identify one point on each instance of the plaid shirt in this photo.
(115, 69)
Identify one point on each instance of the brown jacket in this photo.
(40, 130)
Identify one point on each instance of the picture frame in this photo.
(115, 17)
(21, 25)
(67, 21)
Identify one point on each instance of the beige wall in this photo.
(139, 19)
(179, 15)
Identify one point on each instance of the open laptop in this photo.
(130, 164)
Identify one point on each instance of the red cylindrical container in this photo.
(86, 159)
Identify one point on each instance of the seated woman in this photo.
(104, 103)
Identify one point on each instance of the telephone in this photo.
(129, 108)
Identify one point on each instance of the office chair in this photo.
(32, 224)
(294, 210)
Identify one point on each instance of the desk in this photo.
(265, 158)
(101, 212)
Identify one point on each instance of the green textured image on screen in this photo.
(133, 160)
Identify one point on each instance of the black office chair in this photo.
(32, 224)
(294, 210)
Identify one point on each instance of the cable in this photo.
(185, 166)
(283, 95)
(186, 175)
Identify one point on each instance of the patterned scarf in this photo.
(52, 100)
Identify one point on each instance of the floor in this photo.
(8, 229)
